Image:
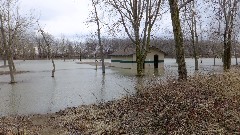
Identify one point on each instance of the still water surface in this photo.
(74, 84)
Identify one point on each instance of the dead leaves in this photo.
(204, 104)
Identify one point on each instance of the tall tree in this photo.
(138, 18)
(4, 43)
(49, 49)
(96, 18)
(178, 37)
(12, 25)
(7, 51)
(190, 18)
(227, 10)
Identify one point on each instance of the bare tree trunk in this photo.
(4, 42)
(214, 60)
(13, 65)
(53, 70)
(50, 56)
(136, 25)
(139, 60)
(133, 12)
(195, 48)
(229, 18)
(236, 59)
(7, 52)
(10, 65)
(194, 42)
(235, 49)
(193, 28)
(80, 55)
(99, 36)
(24, 58)
(178, 37)
(4, 57)
(227, 50)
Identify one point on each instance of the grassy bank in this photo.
(204, 104)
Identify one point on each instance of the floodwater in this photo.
(36, 92)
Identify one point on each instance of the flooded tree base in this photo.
(204, 104)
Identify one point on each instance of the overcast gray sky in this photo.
(59, 17)
(69, 17)
(66, 17)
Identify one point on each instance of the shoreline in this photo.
(107, 64)
(160, 108)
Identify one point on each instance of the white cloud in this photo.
(60, 16)
(69, 17)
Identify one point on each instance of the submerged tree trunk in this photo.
(50, 56)
(4, 42)
(80, 55)
(136, 25)
(10, 65)
(194, 36)
(236, 59)
(53, 70)
(229, 11)
(8, 54)
(178, 37)
(138, 17)
(13, 65)
(139, 61)
(214, 60)
(194, 44)
(99, 36)
(4, 57)
(195, 47)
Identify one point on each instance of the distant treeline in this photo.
(65, 49)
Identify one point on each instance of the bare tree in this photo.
(227, 11)
(235, 48)
(49, 49)
(190, 14)
(96, 18)
(178, 37)
(138, 18)
(12, 25)
(7, 51)
(236, 35)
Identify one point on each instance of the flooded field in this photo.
(74, 84)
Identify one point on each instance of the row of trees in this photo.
(139, 18)
(200, 29)
(36, 48)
